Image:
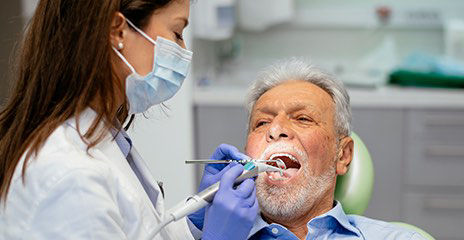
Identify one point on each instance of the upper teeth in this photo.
(277, 155)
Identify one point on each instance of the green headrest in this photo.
(354, 189)
(415, 229)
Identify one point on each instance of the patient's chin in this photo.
(284, 202)
(290, 201)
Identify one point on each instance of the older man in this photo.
(302, 116)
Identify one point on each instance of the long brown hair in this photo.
(63, 66)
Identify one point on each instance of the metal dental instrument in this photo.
(203, 198)
(280, 164)
(207, 161)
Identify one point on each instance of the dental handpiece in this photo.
(203, 198)
(206, 196)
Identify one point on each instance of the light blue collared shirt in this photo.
(123, 140)
(335, 224)
(125, 144)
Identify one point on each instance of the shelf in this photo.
(383, 97)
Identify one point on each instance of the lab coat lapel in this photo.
(113, 152)
(153, 190)
(108, 149)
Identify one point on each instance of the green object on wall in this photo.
(354, 189)
(419, 79)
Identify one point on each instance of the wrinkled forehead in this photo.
(295, 95)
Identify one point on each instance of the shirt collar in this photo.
(259, 224)
(336, 213)
(339, 215)
(123, 140)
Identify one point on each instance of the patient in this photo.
(302, 116)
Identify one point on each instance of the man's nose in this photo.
(279, 130)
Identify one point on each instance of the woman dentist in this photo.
(67, 168)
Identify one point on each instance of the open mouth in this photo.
(292, 167)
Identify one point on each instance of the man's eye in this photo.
(304, 119)
(260, 123)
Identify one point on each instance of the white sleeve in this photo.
(81, 205)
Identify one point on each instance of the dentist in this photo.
(68, 170)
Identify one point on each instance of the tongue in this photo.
(290, 172)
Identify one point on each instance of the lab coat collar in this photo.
(81, 124)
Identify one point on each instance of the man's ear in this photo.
(118, 30)
(344, 155)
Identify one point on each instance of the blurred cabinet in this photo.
(418, 156)
(435, 153)
(440, 213)
(433, 195)
(382, 132)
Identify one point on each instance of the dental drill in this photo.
(205, 197)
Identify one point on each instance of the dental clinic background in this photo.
(403, 61)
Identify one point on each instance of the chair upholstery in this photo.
(416, 229)
(354, 189)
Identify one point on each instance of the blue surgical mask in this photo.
(171, 64)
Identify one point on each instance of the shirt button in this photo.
(275, 230)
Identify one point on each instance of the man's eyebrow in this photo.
(306, 107)
(292, 109)
(299, 107)
(266, 110)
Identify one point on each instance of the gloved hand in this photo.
(233, 211)
(213, 173)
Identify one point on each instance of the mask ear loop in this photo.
(124, 59)
(144, 35)
(141, 32)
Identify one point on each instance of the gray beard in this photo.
(292, 201)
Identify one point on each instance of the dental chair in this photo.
(354, 189)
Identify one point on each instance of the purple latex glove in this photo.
(234, 209)
(213, 173)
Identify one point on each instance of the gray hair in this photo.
(299, 69)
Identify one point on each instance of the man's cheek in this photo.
(252, 151)
(253, 148)
(316, 144)
(319, 153)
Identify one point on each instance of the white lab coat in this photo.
(69, 194)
